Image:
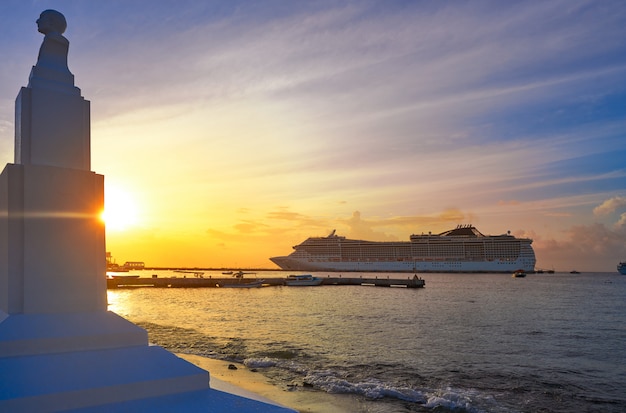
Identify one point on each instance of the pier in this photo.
(214, 282)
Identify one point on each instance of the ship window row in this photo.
(490, 251)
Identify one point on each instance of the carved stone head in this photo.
(51, 21)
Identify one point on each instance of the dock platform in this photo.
(211, 282)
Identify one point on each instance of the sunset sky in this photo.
(229, 131)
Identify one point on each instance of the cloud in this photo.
(610, 205)
(622, 221)
(362, 229)
(586, 247)
(248, 227)
(513, 110)
(509, 202)
(295, 219)
(400, 227)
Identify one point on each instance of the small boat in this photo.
(621, 267)
(306, 280)
(519, 274)
(240, 283)
(124, 276)
(116, 268)
(252, 284)
(197, 274)
(240, 274)
(574, 272)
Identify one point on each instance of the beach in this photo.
(300, 399)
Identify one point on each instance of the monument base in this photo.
(204, 401)
(27, 334)
(52, 240)
(100, 362)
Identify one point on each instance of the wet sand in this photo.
(300, 399)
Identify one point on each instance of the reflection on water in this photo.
(475, 342)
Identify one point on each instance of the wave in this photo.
(334, 382)
(260, 363)
(457, 400)
(371, 389)
(295, 367)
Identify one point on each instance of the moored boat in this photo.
(621, 267)
(519, 274)
(252, 284)
(305, 280)
(240, 283)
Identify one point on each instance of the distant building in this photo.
(134, 265)
(128, 265)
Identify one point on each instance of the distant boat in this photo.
(197, 274)
(519, 274)
(574, 272)
(252, 284)
(112, 267)
(306, 280)
(621, 267)
(239, 274)
(240, 283)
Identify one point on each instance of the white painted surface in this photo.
(52, 128)
(53, 242)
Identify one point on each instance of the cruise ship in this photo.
(462, 249)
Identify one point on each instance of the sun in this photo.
(120, 209)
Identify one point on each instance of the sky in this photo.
(230, 131)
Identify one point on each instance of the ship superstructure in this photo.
(462, 249)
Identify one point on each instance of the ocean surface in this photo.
(464, 343)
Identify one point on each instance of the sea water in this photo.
(464, 343)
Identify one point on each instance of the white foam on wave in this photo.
(263, 362)
(372, 389)
(455, 399)
(328, 381)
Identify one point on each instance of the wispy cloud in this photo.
(418, 114)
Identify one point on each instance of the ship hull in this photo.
(295, 264)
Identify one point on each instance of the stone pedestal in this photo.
(41, 138)
(52, 244)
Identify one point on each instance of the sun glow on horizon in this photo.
(120, 209)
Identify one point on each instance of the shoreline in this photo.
(302, 400)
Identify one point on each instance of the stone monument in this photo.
(60, 348)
